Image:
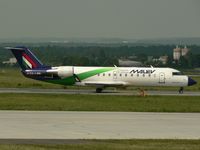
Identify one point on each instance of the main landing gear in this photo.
(142, 92)
(99, 90)
(180, 91)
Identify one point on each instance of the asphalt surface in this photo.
(92, 92)
(57, 125)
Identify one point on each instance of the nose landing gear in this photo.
(180, 91)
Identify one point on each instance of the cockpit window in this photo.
(176, 73)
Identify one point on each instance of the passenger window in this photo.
(120, 75)
(103, 74)
(143, 75)
(138, 75)
(125, 75)
(131, 75)
(109, 74)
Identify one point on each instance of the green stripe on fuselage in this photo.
(65, 81)
(71, 80)
(91, 73)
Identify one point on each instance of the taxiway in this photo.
(98, 125)
(92, 92)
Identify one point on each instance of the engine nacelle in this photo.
(64, 72)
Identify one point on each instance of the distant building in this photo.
(11, 61)
(178, 52)
(184, 51)
(149, 58)
(129, 63)
(163, 59)
(125, 42)
(132, 57)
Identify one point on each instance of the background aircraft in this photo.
(100, 77)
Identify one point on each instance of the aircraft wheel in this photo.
(181, 90)
(99, 90)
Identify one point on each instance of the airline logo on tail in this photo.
(27, 61)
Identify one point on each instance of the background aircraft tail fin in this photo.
(25, 58)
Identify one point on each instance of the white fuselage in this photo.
(126, 76)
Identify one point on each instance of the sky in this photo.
(133, 19)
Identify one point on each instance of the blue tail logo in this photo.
(25, 58)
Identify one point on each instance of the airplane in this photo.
(99, 77)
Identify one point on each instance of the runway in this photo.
(98, 125)
(92, 92)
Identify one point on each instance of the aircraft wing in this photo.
(105, 84)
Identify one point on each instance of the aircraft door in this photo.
(115, 75)
(161, 77)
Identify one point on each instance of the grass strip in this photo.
(114, 145)
(62, 102)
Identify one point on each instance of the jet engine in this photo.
(64, 72)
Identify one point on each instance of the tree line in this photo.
(106, 55)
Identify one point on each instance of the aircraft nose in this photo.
(191, 81)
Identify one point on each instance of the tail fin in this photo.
(25, 58)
